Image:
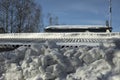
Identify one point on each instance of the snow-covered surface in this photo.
(78, 44)
(50, 62)
(76, 26)
(75, 35)
(74, 39)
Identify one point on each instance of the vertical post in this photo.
(110, 13)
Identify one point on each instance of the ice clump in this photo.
(50, 62)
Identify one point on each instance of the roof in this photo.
(76, 27)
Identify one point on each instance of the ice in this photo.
(47, 61)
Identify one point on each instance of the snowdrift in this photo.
(50, 62)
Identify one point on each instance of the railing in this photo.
(62, 39)
(58, 35)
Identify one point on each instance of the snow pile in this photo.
(49, 62)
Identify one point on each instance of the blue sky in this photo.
(82, 12)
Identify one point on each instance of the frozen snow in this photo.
(50, 62)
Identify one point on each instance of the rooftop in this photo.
(76, 26)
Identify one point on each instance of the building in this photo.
(78, 28)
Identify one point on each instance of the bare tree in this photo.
(20, 16)
(4, 10)
(52, 20)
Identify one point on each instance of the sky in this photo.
(81, 12)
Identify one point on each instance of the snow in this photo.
(49, 36)
(49, 62)
(76, 26)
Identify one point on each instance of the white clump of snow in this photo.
(50, 62)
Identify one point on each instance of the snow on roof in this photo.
(75, 26)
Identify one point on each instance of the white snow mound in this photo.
(50, 62)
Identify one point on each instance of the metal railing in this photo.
(58, 35)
